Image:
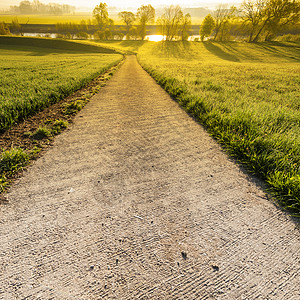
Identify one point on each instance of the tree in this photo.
(269, 15)
(133, 33)
(222, 17)
(4, 29)
(145, 15)
(119, 35)
(105, 24)
(82, 35)
(170, 22)
(283, 13)
(207, 27)
(254, 14)
(128, 18)
(15, 26)
(83, 26)
(100, 13)
(185, 26)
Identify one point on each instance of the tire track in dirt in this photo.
(136, 201)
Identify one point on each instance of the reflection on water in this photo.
(151, 38)
(158, 38)
(51, 35)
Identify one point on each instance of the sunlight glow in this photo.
(154, 38)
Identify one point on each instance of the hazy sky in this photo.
(127, 3)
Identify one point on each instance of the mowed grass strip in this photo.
(247, 96)
(32, 78)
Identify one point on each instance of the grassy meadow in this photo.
(246, 95)
(36, 73)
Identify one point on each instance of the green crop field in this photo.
(247, 96)
(38, 72)
(45, 19)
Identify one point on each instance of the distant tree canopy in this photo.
(36, 7)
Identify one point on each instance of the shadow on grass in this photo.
(132, 45)
(50, 46)
(180, 49)
(276, 48)
(217, 51)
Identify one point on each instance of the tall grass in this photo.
(11, 161)
(247, 96)
(33, 78)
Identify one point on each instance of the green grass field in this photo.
(126, 47)
(246, 95)
(38, 72)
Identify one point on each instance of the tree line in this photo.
(254, 20)
(173, 23)
(36, 7)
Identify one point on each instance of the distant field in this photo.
(247, 95)
(34, 73)
(45, 19)
(51, 19)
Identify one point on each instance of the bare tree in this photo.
(222, 17)
(170, 21)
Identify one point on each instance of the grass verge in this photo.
(35, 73)
(11, 162)
(25, 141)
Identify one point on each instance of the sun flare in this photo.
(155, 38)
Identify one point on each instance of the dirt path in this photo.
(136, 201)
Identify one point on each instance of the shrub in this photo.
(58, 125)
(73, 107)
(41, 133)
